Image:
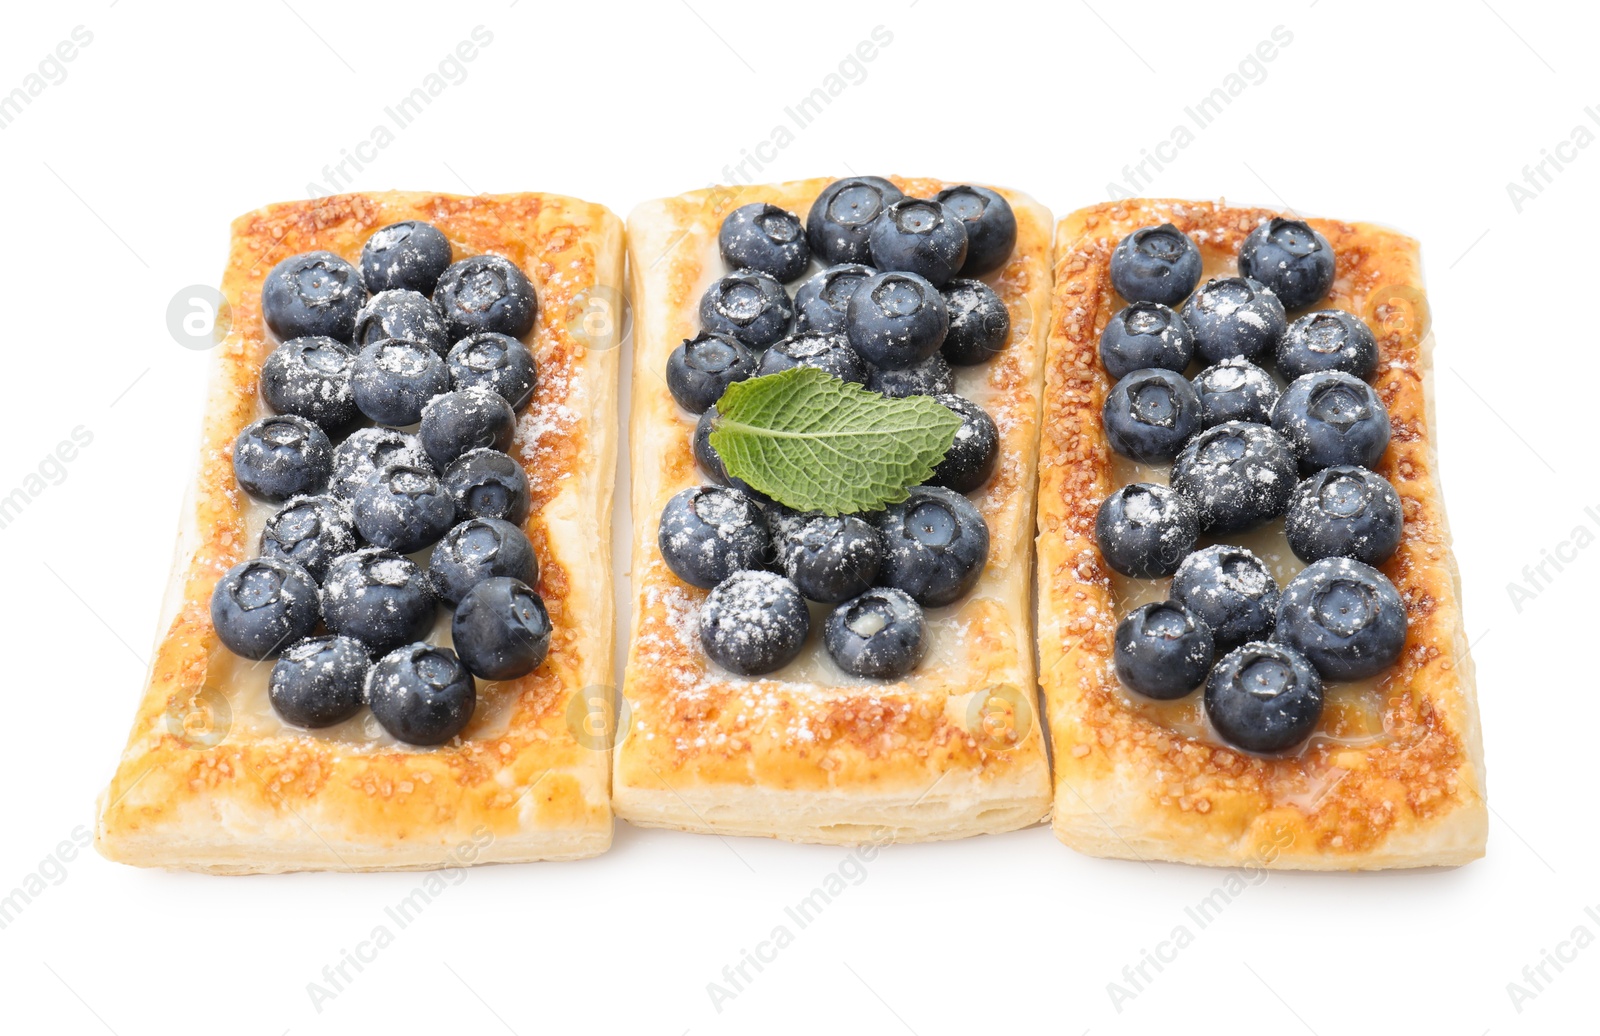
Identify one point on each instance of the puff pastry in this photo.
(211, 780)
(808, 753)
(1394, 776)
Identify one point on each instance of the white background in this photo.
(119, 184)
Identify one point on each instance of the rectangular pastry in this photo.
(810, 752)
(1386, 769)
(213, 778)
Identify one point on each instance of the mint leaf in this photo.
(816, 443)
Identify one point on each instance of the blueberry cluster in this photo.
(379, 525)
(894, 303)
(1245, 451)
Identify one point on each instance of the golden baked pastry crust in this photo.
(518, 785)
(953, 750)
(1129, 786)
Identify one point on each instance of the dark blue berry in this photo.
(1230, 590)
(315, 293)
(822, 302)
(1234, 316)
(881, 634)
(365, 452)
(931, 377)
(1328, 340)
(1237, 475)
(1145, 530)
(310, 378)
(706, 456)
(1150, 414)
(378, 597)
(748, 305)
(478, 549)
(1155, 264)
(707, 533)
(1235, 390)
(1264, 697)
(262, 606)
(496, 362)
(1291, 259)
(310, 531)
(1345, 512)
(979, 323)
(283, 456)
(393, 380)
(825, 350)
(754, 622)
(702, 368)
(457, 422)
(1143, 335)
(1330, 418)
(764, 237)
(407, 315)
(935, 545)
(1345, 617)
(421, 694)
(501, 629)
(840, 220)
(404, 509)
(896, 320)
(488, 484)
(990, 224)
(830, 558)
(973, 453)
(411, 255)
(319, 681)
(486, 293)
(1163, 650)
(918, 236)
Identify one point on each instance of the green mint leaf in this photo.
(816, 443)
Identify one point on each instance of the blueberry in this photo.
(1291, 259)
(841, 218)
(1264, 697)
(488, 484)
(393, 380)
(990, 224)
(1163, 650)
(823, 300)
(1145, 530)
(972, 455)
(283, 456)
(319, 681)
(486, 293)
(979, 323)
(830, 558)
(455, 422)
(702, 368)
(705, 455)
(310, 378)
(404, 509)
(1345, 512)
(1237, 475)
(410, 255)
(262, 606)
(501, 629)
(1234, 316)
(478, 549)
(495, 362)
(764, 237)
(1331, 417)
(1230, 590)
(378, 597)
(918, 236)
(365, 452)
(421, 694)
(896, 319)
(310, 531)
(1150, 414)
(1143, 335)
(754, 622)
(315, 293)
(1328, 340)
(931, 377)
(406, 315)
(1155, 264)
(825, 350)
(880, 634)
(1235, 390)
(1345, 617)
(748, 305)
(935, 545)
(707, 533)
